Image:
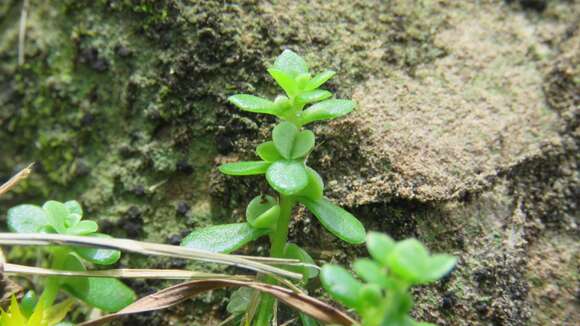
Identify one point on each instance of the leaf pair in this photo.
(383, 298)
(409, 260)
(62, 218)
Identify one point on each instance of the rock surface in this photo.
(466, 134)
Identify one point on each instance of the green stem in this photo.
(52, 285)
(278, 241)
(279, 237)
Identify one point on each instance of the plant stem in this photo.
(52, 285)
(279, 237)
(278, 241)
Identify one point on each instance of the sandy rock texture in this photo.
(465, 136)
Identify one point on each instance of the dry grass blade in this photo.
(148, 248)
(168, 274)
(176, 294)
(23, 174)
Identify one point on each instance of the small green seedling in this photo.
(283, 162)
(107, 294)
(384, 297)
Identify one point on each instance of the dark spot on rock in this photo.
(87, 119)
(537, 5)
(481, 308)
(90, 57)
(184, 166)
(82, 168)
(482, 276)
(223, 144)
(132, 222)
(123, 51)
(174, 240)
(182, 208)
(448, 301)
(106, 226)
(139, 191)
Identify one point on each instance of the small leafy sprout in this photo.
(66, 218)
(383, 298)
(283, 162)
(39, 315)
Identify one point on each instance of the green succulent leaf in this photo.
(370, 271)
(341, 285)
(107, 294)
(284, 135)
(99, 256)
(244, 168)
(291, 63)
(263, 212)
(315, 187)
(240, 300)
(223, 238)
(438, 266)
(26, 219)
(370, 295)
(380, 246)
(285, 80)
(267, 151)
(336, 220)
(326, 110)
(290, 142)
(83, 228)
(56, 214)
(303, 143)
(293, 251)
(287, 177)
(319, 79)
(28, 302)
(74, 207)
(254, 104)
(314, 96)
(409, 260)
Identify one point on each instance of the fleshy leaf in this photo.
(370, 271)
(285, 80)
(73, 206)
(341, 285)
(329, 109)
(284, 135)
(254, 104)
(314, 96)
(315, 186)
(293, 251)
(83, 228)
(287, 177)
(336, 220)
(26, 219)
(263, 212)
(291, 63)
(244, 168)
(303, 143)
(438, 266)
(107, 294)
(370, 295)
(99, 256)
(28, 302)
(75, 213)
(319, 79)
(223, 238)
(380, 246)
(409, 260)
(239, 300)
(267, 151)
(56, 214)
